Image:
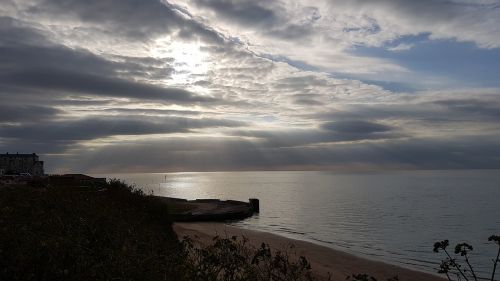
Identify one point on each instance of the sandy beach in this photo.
(322, 259)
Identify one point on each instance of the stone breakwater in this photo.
(199, 210)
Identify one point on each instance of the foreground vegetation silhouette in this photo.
(110, 232)
(459, 267)
(116, 232)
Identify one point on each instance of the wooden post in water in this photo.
(254, 202)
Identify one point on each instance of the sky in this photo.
(107, 86)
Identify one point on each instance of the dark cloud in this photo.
(377, 112)
(329, 133)
(53, 68)
(298, 31)
(64, 81)
(209, 154)
(204, 154)
(301, 82)
(130, 19)
(81, 102)
(482, 109)
(61, 148)
(355, 127)
(153, 111)
(99, 127)
(59, 97)
(242, 12)
(311, 102)
(486, 109)
(268, 16)
(291, 32)
(15, 33)
(431, 10)
(23, 47)
(26, 113)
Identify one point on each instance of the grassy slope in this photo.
(85, 234)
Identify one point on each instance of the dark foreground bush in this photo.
(459, 266)
(233, 260)
(107, 233)
(114, 232)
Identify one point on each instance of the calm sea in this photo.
(391, 216)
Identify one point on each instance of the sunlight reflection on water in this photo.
(394, 217)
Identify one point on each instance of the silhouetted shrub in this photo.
(233, 259)
(458, 268)
(116, 232)
(76, 233)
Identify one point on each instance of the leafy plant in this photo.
(111, 232)
(462, 268)
(232, 259)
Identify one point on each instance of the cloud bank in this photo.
(155, 86)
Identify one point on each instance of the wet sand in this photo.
(323, 260)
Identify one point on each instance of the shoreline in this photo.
(323, 259)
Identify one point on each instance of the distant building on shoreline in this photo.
(15, 164)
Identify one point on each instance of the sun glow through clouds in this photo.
(190, 63)
(267, 84)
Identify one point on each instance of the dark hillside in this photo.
(106, 233)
